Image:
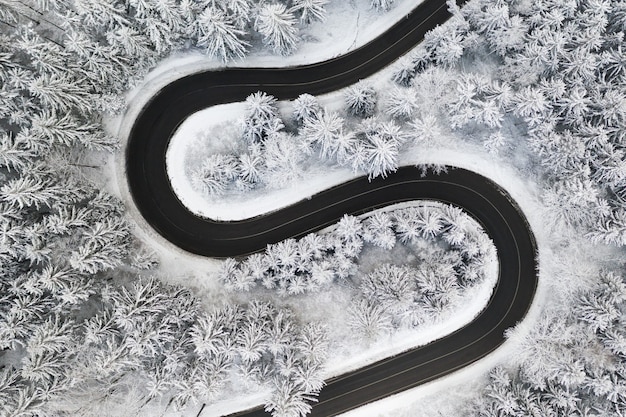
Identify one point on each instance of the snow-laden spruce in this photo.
(361, 99)
(293, 266)
(261, 117)
(277, 24)
(219, 35)
(310, 10)
(570, 363)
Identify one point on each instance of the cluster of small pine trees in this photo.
(572, 363)
(559, 71)
(391, 296)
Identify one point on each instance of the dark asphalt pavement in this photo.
(478, 196)
(517, 281)
(150, 135)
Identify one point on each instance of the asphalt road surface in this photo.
(506, 226)
(150, 135)
(478, 196)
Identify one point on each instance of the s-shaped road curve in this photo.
(481, 198)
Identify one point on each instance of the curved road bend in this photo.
(481, 198)
(150, 135)
(517, 281)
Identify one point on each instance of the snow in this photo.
(349, 25)
(462, 312)
(198, 273)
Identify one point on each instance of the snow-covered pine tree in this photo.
(277, 25)
(220, 36)
(369, 318)
(382, 155)
(392, 287)
(381, 5)
(425, 129)
(59, 93)
(103, 246)
(378, 230)
(611, 230)
(323, 130)
(310, 10)
(261, 117)
(438, 282)
(401, 103)
(305, 107)
(216, 173)
(288, 400)
(312, 342)
(250, 165)
(349, 228)
(361, 99)
(449, 49)
(14, 155)
(239, 11)
(68, 131)
(282, 158)
(28, 191)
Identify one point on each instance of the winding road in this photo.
(481, 198)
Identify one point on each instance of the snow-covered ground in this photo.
(214, 130)
(199, 273)
(350, 24)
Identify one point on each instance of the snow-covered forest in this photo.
(540, 87)
(275, 157)
(89, 327)
(81, 325)
(437, 251)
